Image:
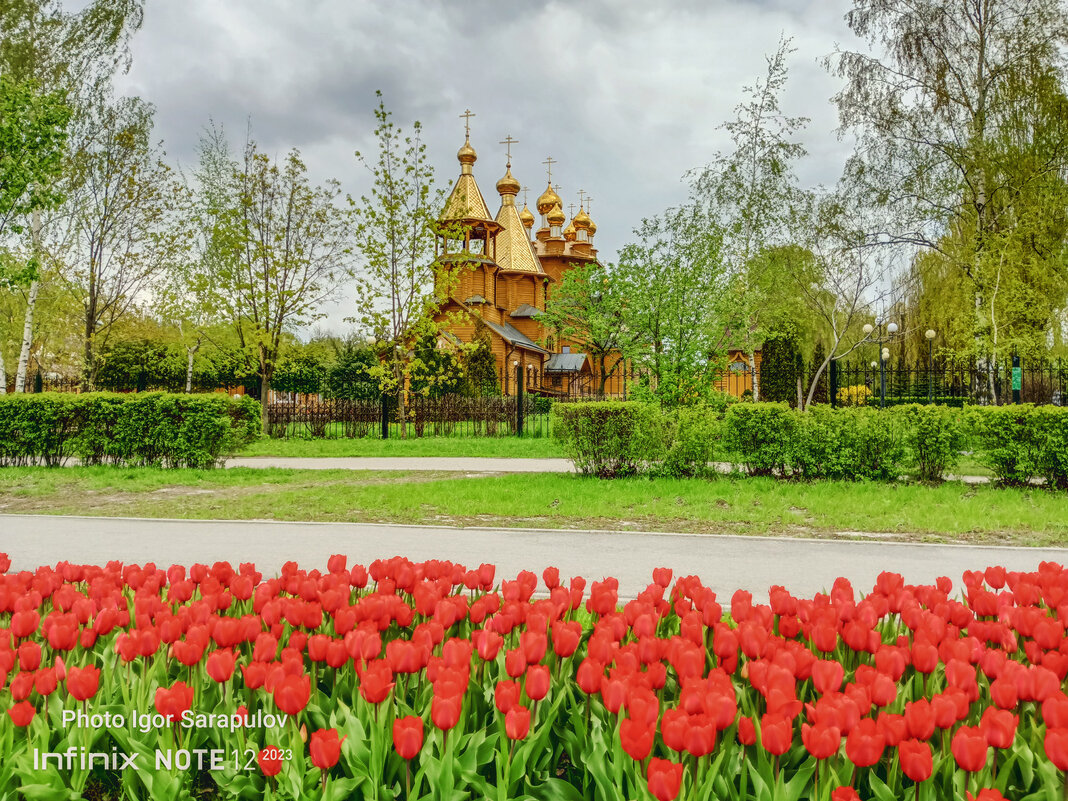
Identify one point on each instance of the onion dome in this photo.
(570, 233)
(527, 217)
(593, 227)
(548, 199)
(556, 214)
(466, 155)
(582, 220)
(508, 185)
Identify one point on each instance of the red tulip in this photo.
(662, 576)
(827, 676)
(589, 676)
(986, 795)
(445, 710)
(845, 794)
(636, 738)
(82, 683)
(746, 731)
(29, 656)
(1057, 747)
(325, 748)
(292, 693)
(821, 740)
(270, 760)
(506, 695)
(376, 681)
(999, 726)
(865, 743)
(915, 759)
(174, 701)
(517, 722)
(969, 748)
(537, 682)
(22, 713)
(220, 665)
(566, 637)
(919, 719)
(776, 733)
(408, 736)
(664, 779)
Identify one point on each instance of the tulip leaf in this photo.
(880, 789)
(555, 790)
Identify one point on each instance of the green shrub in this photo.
(760, 436)
(846, 445)
(140, 429)
(1050, 431)
(1007, 441)
(608, 439)
(690, 442)
(934, 436)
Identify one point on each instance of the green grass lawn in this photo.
(948, 512)
(517, 447)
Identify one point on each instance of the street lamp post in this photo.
(930, 334)
(884, 354)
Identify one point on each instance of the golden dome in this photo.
(548, 199)
(508, 185)
(582, 219)
(466, 154)
(593, 227)
(527, 217)
(570, 233)
(556, 214)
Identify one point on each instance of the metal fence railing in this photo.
(522, 401)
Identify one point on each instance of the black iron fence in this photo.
(521, 403)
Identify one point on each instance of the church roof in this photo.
(465, 201)
(525, 310)
(565, 363)
(514, 251)
(515, 336)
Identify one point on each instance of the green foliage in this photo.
(302, 372)
(847, 444)
(479, 366)
(350, 376)
(780, 367)
(33, 133)
(1021, 443)
(761, 435)
(434, 372)
(145, 429)
(690, 442)
(934, 436)
(608, 439)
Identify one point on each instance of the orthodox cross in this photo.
(549, 162)
(466, 117)
(581, 193)
(508, 141)
(571, 208)
(589, 200)
(525, 190)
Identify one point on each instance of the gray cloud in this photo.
(626, 96)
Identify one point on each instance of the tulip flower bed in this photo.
(429, 680)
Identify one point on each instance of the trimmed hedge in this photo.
(610, 439)
(143, 429)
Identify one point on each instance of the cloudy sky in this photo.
(625, 96)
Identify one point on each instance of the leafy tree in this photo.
(350, 375)
(285, 248)
(68, 53)
(781, 366)
(962, 148)
(398, 287)
(33, 132)
(479, 365)
(122, 201)
(588, 306)
(822, 391)
(754, 194)
(435, 372)
(670, 279)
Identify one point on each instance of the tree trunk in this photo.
(265, 393)
(27, 338)
(816, 377)
(402, 398)
(3, 376)
(751, 358)
(190, 352)
(31, 304)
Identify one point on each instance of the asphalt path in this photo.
(724, 562)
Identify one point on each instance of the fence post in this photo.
(518, 400)
(1017, 377)
(385, 416)
(833, 381)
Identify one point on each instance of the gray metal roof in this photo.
(515, 336)
(525, 310)
(476, 299)
(565, 363)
